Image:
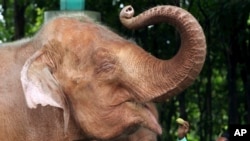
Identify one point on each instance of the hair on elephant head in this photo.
(104, 82)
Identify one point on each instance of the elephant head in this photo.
(105, 81)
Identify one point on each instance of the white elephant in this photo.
(77, 80)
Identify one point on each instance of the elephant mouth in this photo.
(149, 117)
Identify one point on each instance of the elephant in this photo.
(76, 79)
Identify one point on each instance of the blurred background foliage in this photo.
(221, 94)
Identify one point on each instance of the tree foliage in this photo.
(221, 94)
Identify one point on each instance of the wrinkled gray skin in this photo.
(77, 80)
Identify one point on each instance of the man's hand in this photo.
(183, 129)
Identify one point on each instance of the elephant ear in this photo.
(40, 86)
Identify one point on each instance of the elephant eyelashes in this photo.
(105, 67)
(104, 61)
(77, 80)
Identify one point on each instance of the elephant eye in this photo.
(104, 61)
(106, 66)
(77, 80)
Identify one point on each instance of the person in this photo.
(182, 131)
(223, 137)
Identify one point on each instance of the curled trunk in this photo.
(163, 79)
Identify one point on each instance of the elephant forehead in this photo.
(78, 37)
(68, 30)
(77, 34)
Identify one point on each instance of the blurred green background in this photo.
(221, 94)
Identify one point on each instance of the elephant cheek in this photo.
(121, 121)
